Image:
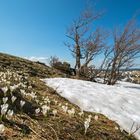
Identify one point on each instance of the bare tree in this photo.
(79, 32)
(94, 46)
(126, 48)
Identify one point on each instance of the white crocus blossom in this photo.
(47, 100)
(86, 125)
(5, 99)
(22, 91)
(89, 118)
(121, 129)
(54, 112)
(22, 103)
(10, 113)
(81, 113)
(37, 110)
(71, 112)
(55, 102)
(64, 108)
(4, 89)
(12, 88)
(13, 99)
(2, 128)
(37, 101)
(45, 109)
(4, 109)
(96, 117)
(116, 128)
(33, 95)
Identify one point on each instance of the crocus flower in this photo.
(54, 112)
(4, 109)
(22, 103)
(45, 109)
(37, 110)
(71, 112)
(13, 99)
(86, 125)
(64, 108)
(4, 89)
(2, 128)
(5, 99)
(10, 113)
(96, 117)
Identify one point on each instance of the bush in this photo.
(62, 66)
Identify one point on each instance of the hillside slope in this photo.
(30, 110)
(120, 102)
(19, 64)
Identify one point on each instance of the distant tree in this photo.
(53, 61)
(86, 44)
(125, 49)
(62, 66)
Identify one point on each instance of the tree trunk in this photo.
(78, 62)
(78, 55)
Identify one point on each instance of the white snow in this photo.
(120, 102)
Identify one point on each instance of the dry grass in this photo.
(26, 125)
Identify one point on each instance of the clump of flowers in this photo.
(65, 108)
(71, 112)
(45, 109)
(4, 109)
(47, 100)
(10, 83)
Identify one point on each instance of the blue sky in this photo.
(37, 27)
